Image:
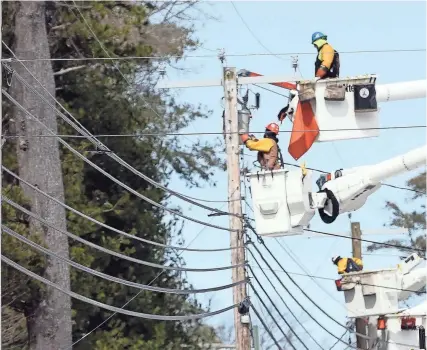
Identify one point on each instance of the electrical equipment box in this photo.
(281, 202)
(349, 104)
(244, 118)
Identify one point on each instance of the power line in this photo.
(111, 278)
(249, 54)
(259, 238)
(391, 127)
(111, 252)
(272, 317)
(281, 298)
(136, 295)
(112, 178)
(266, 328)
(366, 240)
(130, 236)
(109, 307)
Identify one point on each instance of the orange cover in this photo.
(304, 131)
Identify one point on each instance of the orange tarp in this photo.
(289, 86)
(304, 131)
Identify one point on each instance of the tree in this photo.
(414, 220)
(101, 100)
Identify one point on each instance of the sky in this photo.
(286, 27)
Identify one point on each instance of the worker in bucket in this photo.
(327, 63)
(268, 149)
(347, 265)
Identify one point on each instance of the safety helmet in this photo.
(335, 259)
(317, 36)
(273, 127)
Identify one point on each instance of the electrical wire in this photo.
(120, 160)
(391, 127)
(276, 308)
(271, 315)
(109, 307)
(76, 125)
(135, 296)
(134, 237)
(253, 34)
(111, 252)
(367, 240)
(248, 54)
(261, 241)
(345, 332)
(266, 328)
(111, 278)
(112, 178)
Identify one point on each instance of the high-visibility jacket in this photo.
(346, 265)
(327, 60)
(268, 152)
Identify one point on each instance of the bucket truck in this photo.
(284, 201)
(375, 296)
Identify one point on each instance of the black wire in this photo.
(265, 326)
(271, 315)
(274, 92)
(338, 340)
(283, 285)
(365, 240)
(274, 305)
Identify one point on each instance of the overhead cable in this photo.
(293, 297)
(100, 324)
(301, 289)
(248, 54)
(391, 127)
(75, 211)
(111, 278)
(266, 328)
(367, 240)
(278, 311)
(109, 307)
(112, 178)
(111, 252)
(76, 125)
(120, 160)
(281, 298)
(272, 316)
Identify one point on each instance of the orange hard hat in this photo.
(273, 127)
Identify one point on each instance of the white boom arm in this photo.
(350, 191)
(401, 91)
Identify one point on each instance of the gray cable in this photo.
(109, 307)
(82, 130)
(111, 252)
(111, 278)
(107, 226)
(267, 329)
(112, 178)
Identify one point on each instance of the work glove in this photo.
(321, 72)
(247, 137)
(282, 114)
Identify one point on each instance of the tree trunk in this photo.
(49, 325)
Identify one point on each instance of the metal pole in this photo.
(356, 234)
(256, 338)
(243, 340)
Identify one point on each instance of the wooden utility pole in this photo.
(49, 320)
(243, 340)
(356, 236)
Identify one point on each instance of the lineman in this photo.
(347, 265)
(268, 150)
(327, 63)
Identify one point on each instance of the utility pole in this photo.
(243, 340)
(49, 321)
(356, 243)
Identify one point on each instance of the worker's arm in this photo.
(358, 262)
(263, 145)
(327, 54)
